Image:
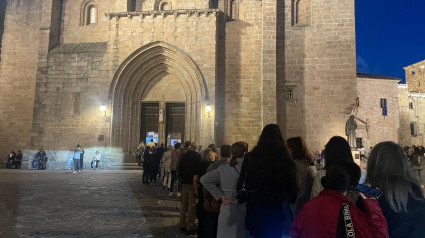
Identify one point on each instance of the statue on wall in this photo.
(350, 131)
(161, 115)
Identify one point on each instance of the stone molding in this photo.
(175, 13)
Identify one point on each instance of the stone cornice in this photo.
(176, 13)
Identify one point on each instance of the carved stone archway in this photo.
(137, 75)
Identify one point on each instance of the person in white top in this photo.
(95, 161)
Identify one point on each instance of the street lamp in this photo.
(103, 109)
(208, 108)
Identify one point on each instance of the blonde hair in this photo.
(389, 169)
(208, 155)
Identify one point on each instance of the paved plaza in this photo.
(101, 203)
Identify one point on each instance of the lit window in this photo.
(88, 12)
(92, 15)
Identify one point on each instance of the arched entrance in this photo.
(138, 75)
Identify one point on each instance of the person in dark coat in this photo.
(402, 202)
(208, 158)
(145, 159)
(18, 160)
(269, 173)
(41, 158)
(153, 163)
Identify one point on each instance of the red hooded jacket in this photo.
(319, 217)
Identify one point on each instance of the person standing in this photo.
(173, 166)
(165, 167)
(70, 159)
(41, 159)
(77, 157)
(221, 184)
(18, 160)
(82, 159)
(188, 205)
(305, 170)
(160, 151)
(402, 201)
(416, 162)
(332, 214)
(11, 160)
(145, 158)
(153, 163)
(269, 174)
(207, 158)
(211, 219)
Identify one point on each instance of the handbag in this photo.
(243, 194)
(210, 204)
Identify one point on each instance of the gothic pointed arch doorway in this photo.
(157, 74)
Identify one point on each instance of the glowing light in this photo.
(208, 108)
(102, 108)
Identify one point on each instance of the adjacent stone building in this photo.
(212, 71)
(415, 80)
(377, 111)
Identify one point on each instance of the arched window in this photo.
(161, 5)
(165, 6)
(233, 10)
(92, 15)
(88, 12)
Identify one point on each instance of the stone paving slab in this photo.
(100, 203)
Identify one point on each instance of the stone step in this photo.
(123, 166)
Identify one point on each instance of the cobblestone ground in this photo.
(101, 203)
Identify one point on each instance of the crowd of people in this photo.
(279, 189)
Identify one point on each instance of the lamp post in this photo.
(103, 109)
(208, 109)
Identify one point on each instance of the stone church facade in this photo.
(157, 65)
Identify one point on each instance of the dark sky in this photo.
(389, 35)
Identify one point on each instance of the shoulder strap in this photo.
(349, 228)
(236, 170)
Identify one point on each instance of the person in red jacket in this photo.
(332, 214)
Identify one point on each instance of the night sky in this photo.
(389, 35)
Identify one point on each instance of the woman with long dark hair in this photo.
(269, 174)
(305, 169)
(402, 202)
(336, 149)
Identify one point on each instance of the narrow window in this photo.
(290, 94)
(410, 105)
(413, 128)
(92, 15)
(233, 10)
(384, 106)
(76, 110)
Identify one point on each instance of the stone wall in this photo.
(18, 67)
(404, 137)
(243, 117)
(415, 77)
(321, 70)
(68, 97)
(380, 128)
(75, 31)
(417, 116)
